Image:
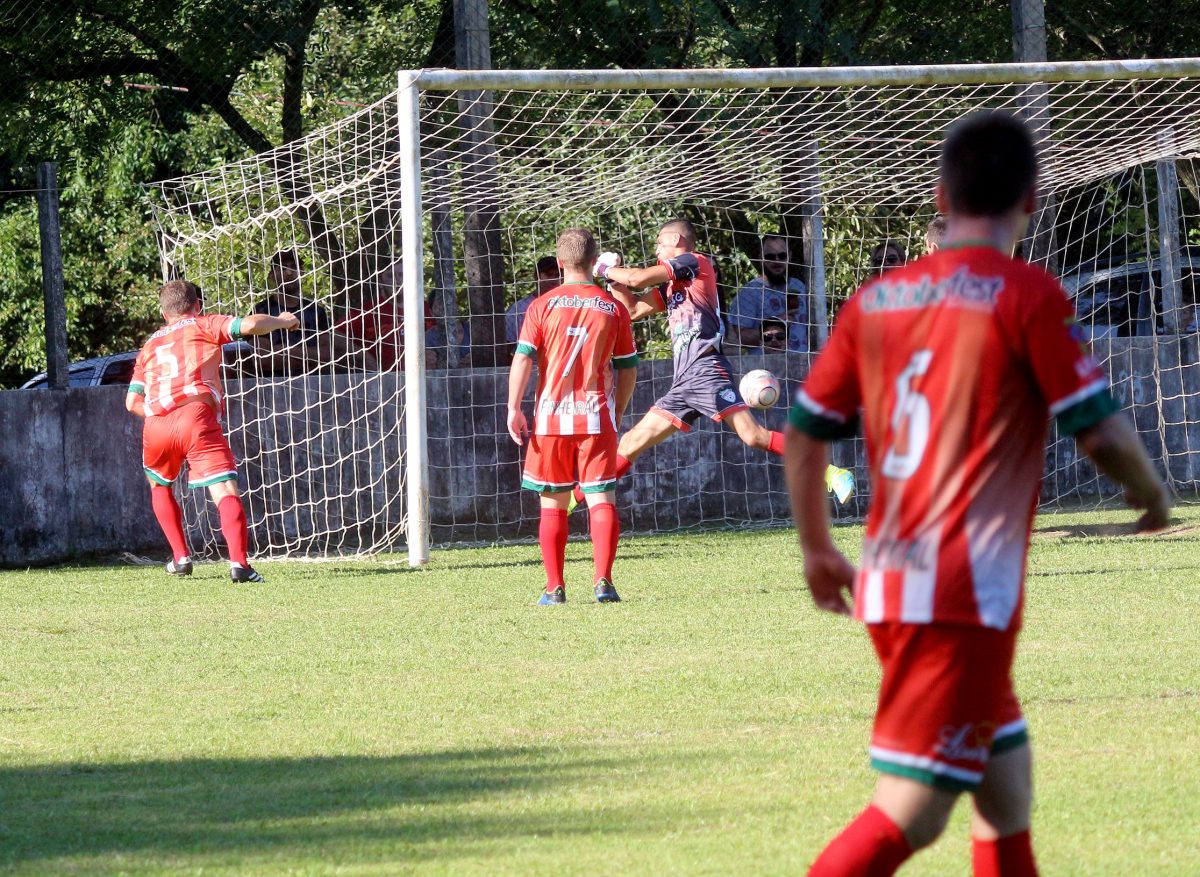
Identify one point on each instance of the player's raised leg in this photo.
(753, 433)
(654, 428)
(838, 481)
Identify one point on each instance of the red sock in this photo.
(775, 446)
(870, 846)
(623, 466)
(170, 518)
(606, 529)
(1010, 856)
(233, 527)
(552, 535)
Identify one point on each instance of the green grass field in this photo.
(362, 718)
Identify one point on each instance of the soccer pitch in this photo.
(364, 718)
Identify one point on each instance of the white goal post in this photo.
(466, 177)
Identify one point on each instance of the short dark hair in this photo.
(289, 256)
(683, 228)
(988, 164)
(767, 238)
(178, 297)
(936, 230)
(547, 265)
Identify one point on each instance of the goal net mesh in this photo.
(836, 176)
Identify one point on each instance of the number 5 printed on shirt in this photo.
(910, 421)
(169, 364)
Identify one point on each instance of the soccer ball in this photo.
(760, 388)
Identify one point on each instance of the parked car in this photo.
(118, 368)
(1126, 298)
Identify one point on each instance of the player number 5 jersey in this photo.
(182, 361)
(579, 333)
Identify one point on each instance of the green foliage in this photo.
(121, 94)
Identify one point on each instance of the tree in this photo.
(121, 94)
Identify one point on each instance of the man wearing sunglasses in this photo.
(773, 295)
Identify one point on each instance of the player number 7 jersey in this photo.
(578, 333)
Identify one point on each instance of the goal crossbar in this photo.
(802, 77)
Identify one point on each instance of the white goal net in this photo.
(833, 169)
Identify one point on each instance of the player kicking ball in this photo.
(587, 368)
(176, 388)
(956, 361)
(683, 283)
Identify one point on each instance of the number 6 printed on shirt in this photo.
(910, 419)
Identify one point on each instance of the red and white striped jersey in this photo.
(956, 362)
(181, 361)
(579, 333)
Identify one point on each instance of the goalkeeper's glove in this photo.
(606, 261)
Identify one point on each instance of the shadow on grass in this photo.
(326, 809)
(1051, 529)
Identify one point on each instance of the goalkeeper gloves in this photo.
(607, 260)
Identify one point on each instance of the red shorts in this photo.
(555, 463)
(946, 702)
(190, 433)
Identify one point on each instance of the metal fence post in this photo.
(52, 275)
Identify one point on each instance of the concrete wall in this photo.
(321, 461)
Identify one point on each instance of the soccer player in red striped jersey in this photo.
(176, 387)
(956, 362)
(587, 368)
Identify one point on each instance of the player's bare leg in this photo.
(1000, 842)
(754, 434)
(228, 500)
(904, 815)
(170, 521)
(920, 811)
(653, 429)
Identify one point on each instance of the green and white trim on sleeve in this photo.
(1086, 407)
(814, 419)
(625, 361)
(527, 349)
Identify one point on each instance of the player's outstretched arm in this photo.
(518, 380)
(829, 574)
(638, 305)
(264, 324)
(638, 278)
(1113, 445)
